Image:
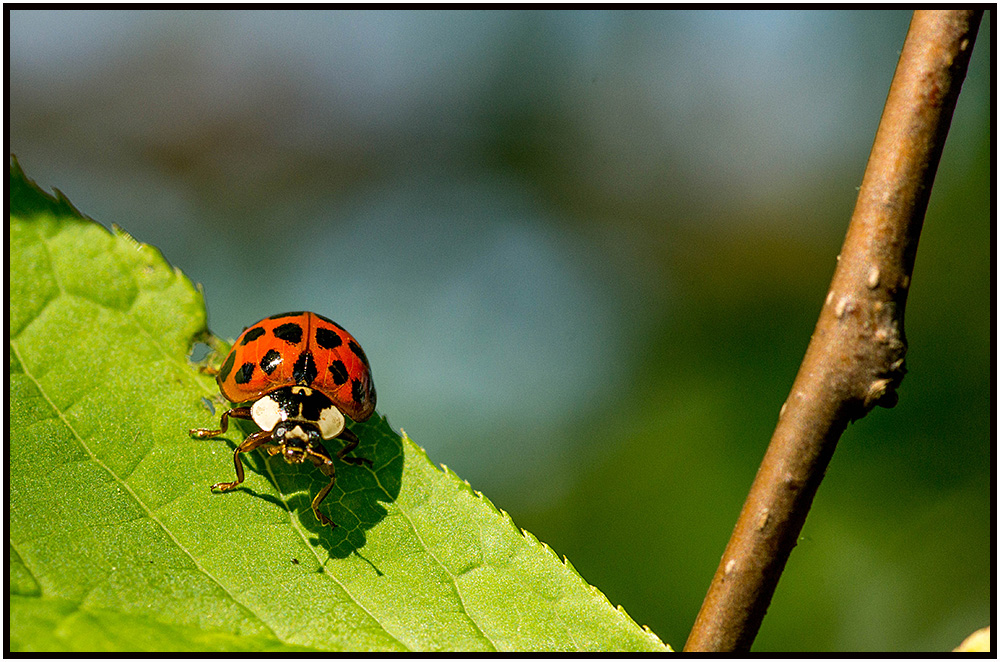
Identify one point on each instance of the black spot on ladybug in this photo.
(284, 315)
(252, 335)
(227, 367)
(244, 374)
(327, 339)
(304, 371)
(329, 321)
(339, 372)
(356, 348)
(290, 333)
(271, 361)
(357, 392)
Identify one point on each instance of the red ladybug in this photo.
(302, 373)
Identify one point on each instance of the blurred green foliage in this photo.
(896, 552)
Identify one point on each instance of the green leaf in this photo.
(54, 624)
(117, 543)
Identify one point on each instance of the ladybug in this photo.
(303, 373)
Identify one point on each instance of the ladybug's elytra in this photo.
(303, 373)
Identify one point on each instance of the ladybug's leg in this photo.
(351, 442)
(236, 412)
(321, 458)
(324, 462)
(250, 443)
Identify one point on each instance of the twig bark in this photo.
(855, 357)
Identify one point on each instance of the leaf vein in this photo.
(454, 580)
(128, 488)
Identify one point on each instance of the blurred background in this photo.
(584, 252)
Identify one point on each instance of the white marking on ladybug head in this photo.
(266, 413)
(331, 422)
(296, 433)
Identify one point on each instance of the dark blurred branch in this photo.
(855, 358)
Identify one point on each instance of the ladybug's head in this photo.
(295, 439)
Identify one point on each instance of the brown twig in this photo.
(855, 357)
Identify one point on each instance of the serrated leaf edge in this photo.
(531, 538)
